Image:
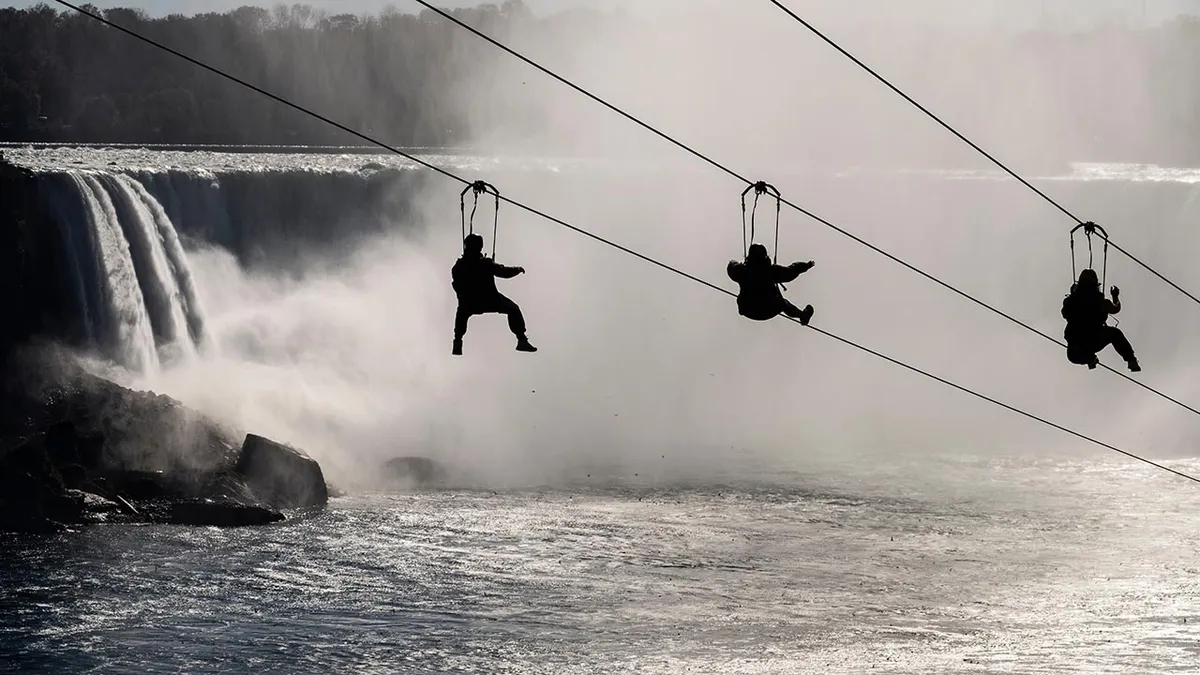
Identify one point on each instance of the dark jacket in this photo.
(474, 279)
(1086, 313)
(760, 279)
(758, 290)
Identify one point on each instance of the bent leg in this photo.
(805, 315)
(1113, 336)
(791, 310)
(1081, 355)
(516, 320)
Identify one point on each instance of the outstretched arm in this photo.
(506, 272)
(783, 274)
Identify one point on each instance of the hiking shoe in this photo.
(1093, 363)
(1134, 366)
(524, 346)
(806, 315)
(457, 351)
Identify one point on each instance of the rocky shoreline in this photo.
(77, 449)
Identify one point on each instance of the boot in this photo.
(806, 315)
(1134, 366)
(457, 351)
(524, 346)
(1093, 363)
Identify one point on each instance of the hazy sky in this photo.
(1006, 12)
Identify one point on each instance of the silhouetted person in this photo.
(474, 281)
(758, 282)
(1086, 311)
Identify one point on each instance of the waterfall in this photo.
(156, 278)
(186, 299)
(122, 285)
(130, 276)
(126, 322)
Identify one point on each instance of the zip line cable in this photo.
(968, 141)
(815, 217)
(630, 251)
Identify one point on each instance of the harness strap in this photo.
(477, 188)
(760, 188)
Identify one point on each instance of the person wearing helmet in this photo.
(473, 278)
(1087, 333)
(758, 282)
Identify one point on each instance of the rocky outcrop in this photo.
(32, 495)
(76, 449)
(419, 471)
(281, 475)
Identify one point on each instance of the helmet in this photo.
(1088, 279)
(473, 243)
(757, 252)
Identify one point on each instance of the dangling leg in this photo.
(1113, 336)
(516, 322)
(1082, 356)
(461, 315)
(805, 315)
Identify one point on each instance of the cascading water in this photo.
(135, 295)
(125, 278)
(126, 323)
(186, 297)
(156, 278)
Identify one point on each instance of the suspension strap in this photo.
(1104, 269)
(1073, 274)
(775, 256)
(761, 187)
(477, 188)
(1090, 228)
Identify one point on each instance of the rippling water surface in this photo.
(1044, 567)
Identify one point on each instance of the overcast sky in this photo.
(1022, 13)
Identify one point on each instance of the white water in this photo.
(161, 283)
(141, 322)
(128, 320)
(181, 273)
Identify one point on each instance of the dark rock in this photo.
(73, 445)
(62, 444)
(105, 427)
(74, 476)
(219, 514)
(140, 485)
(32, 496)
(419, 470)
(282, 477)
(97, 509)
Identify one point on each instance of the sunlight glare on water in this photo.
(1051, 568)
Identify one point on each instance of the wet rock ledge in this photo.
(76, 449)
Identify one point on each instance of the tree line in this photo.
(404, 78)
